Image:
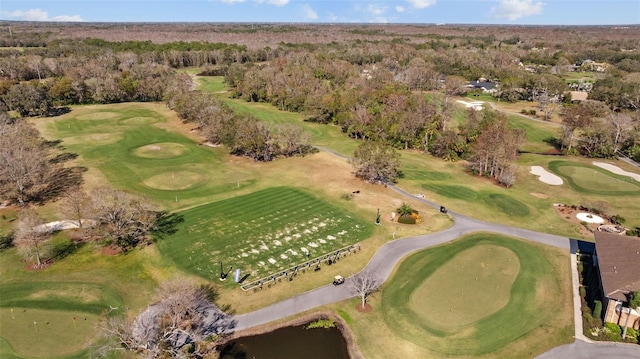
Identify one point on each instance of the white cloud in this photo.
(270, 2)
(376, 9)
(309, 13)
(514, 9)
(400, 8)
(278, 2)
(232, 1)
(37, 15)
(421, 4)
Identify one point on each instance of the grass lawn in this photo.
(261, 233)
(483, 295)
(211, 83)
(41, 333)
(83, 284)
(539, 134)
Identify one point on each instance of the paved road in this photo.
(390, 254)
(583, 350)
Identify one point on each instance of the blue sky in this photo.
(538, 12)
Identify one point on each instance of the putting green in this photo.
(103, 115)
(161, 150)
(424, 303)
(175, 180)
(40, 333)
(596, 180)
(470, 271)
(139, 121)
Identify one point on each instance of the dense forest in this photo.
(389, 84)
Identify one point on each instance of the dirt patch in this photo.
(366, 309)
(110, 250)
(32, 267)
(569, 213)
(539, 195)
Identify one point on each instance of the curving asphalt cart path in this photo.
(390, 254)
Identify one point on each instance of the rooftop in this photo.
(619, 263)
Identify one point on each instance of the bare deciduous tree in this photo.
(75, 204)
(184, 323)
(365, 283)
(22, 160)
(376, 163)
(123, 217)
(32, 236)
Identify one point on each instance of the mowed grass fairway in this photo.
(261, 233)
(479, 295)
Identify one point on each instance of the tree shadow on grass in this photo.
(166, 224)
(6, 241)
(64, 249)
(553, 141)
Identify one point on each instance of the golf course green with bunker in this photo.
(473, 296)
(261, 233)
(590, 179)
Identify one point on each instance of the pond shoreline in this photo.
(352, 346)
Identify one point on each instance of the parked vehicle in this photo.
(337, 280)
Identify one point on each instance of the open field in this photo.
(414, 315)
(261, 233)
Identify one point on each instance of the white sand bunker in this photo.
(589, 218)
(617, 170)
(546, 176)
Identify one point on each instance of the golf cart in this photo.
(337, 280)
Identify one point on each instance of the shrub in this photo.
(597, 309)
(321, 323)
(613, 331)
(532, 112)
(407, 219)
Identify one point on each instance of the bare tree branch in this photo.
(365, 283)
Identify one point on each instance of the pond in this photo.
(289, 342)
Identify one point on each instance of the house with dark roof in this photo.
(618, 261)
(485, 86)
